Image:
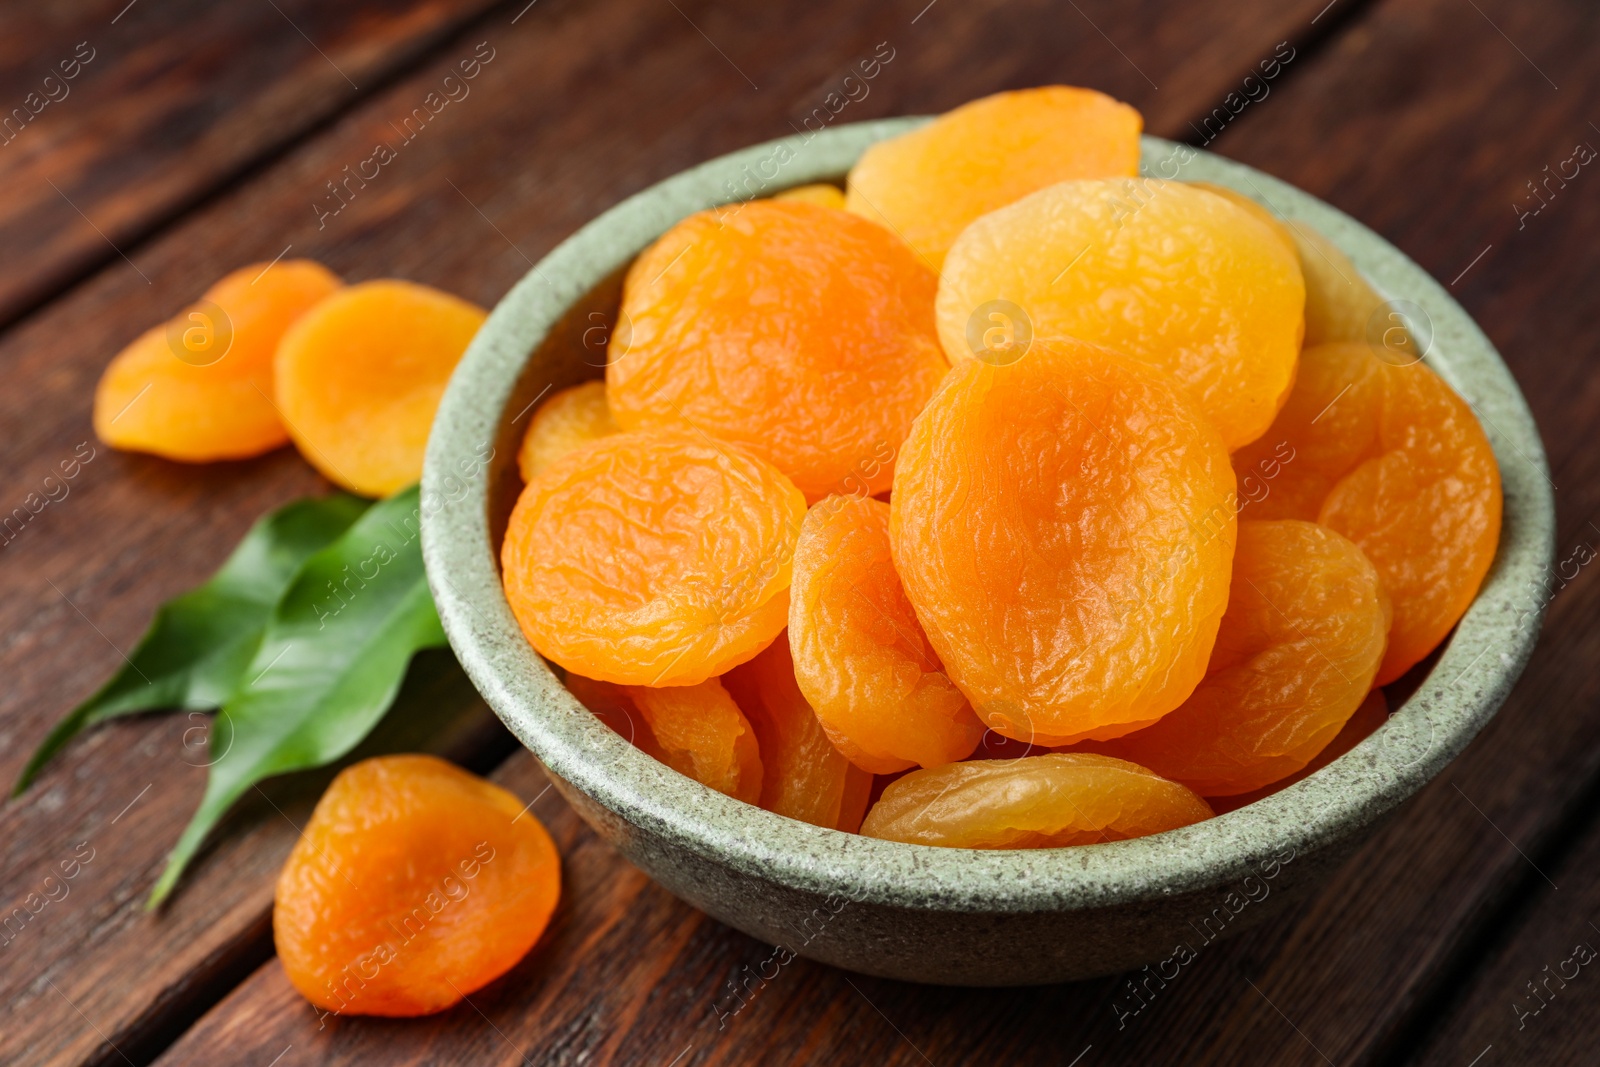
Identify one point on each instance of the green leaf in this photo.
(332, 658)
(200, 643)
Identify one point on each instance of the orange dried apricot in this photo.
(658, 558)
(359, 378)
(930, 184)
(697, 730)
(1048, 801)
(200, 387)
(801, 333)
(804, 776)
(861, 657)
(1373, 713)
(568, 420)
(821, 194)
(1389, 456)
(413, 884)
(1299, 645)
(1064, 527)
(613, 706)
(1162, 271)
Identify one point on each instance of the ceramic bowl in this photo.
(912, 912)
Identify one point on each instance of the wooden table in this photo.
(195, 137)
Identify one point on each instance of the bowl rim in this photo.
(1451, 705)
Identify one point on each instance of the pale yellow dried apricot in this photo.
(1048, 801)
(1162, 271)
(821, 194)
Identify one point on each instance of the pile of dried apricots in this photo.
(881, 481)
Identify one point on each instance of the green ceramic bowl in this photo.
(908, 911)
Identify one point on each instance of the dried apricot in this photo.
(658, 558)
(821, 194)
(1162, 271)
(413, 884)
(861, 657)
(697, 730)
(801, 333)
(568, 420)
(200, 387)
(1064, 527)
(1389, 456)
(1340, 305)
(804, 776)
(1373, 713)
(1048, 801)
(930, 184)
(1299, 645)
(359, 378)
(613, 706)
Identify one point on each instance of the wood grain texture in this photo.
(167, 102)
(581, 105)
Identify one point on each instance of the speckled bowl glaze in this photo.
(925, 914)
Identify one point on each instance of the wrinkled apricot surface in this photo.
(803, 775)
(657, 558)
(1299, 645)
(1163, 271)
(697, 730)
(860, 655)
(413, 884)
(1389, 456)
(1372, 713)
(821, 194)
(1064, 527)
(360, 376)
(1340, 305)
(798, 332)
(200, 387)
(930, 184)
(1049, 801)
(566, 421)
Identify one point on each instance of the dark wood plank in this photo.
(165, 103)
(575, 107)
(1425, 121)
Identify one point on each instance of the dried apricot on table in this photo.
(658, 558)
(1064, 527)
(413, 884)
(1048, 801)
(1389, 456)
(200, 387)
(1373, 713)
(1162, 271)
(930, 184)
(568, 420)
(801, 333)
(1299, 645)
(359, 378)
(861, 657)
(803, 775)
(821, 194)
